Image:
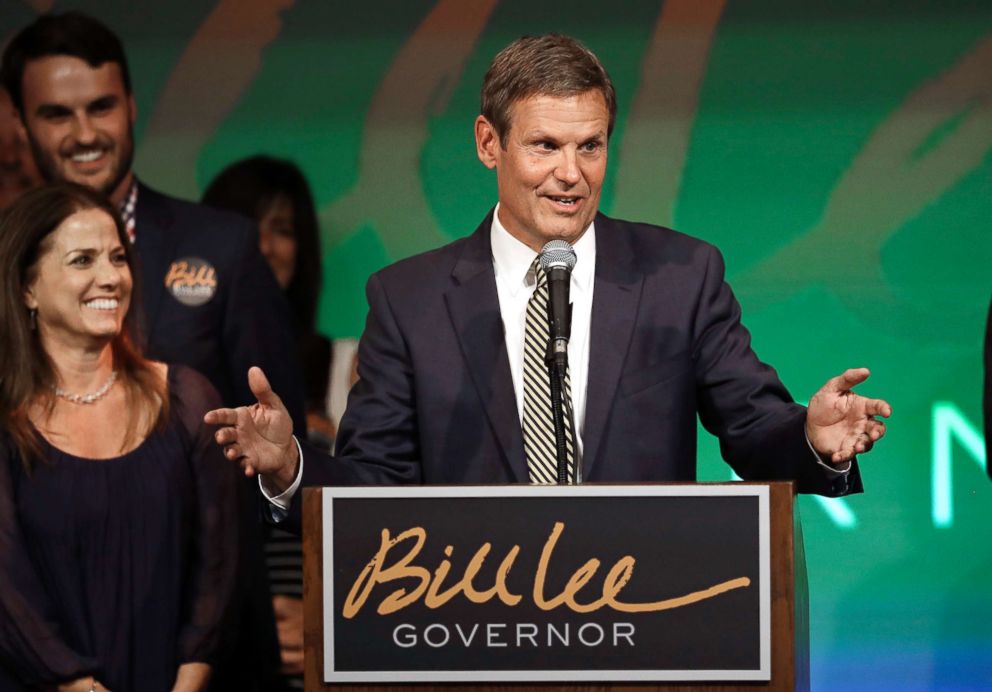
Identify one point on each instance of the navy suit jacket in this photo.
(435, 401)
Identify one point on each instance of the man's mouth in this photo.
(102, 303)
(87, 155)
(566, 201)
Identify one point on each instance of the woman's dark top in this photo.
(119, 568)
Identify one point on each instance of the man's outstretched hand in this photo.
(840, 423)
(259, 437)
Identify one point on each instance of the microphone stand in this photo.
(576, 456)
(556, 359)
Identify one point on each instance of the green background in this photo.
(836, 152)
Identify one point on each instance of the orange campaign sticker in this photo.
(192, 281)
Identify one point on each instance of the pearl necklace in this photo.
(92, 396)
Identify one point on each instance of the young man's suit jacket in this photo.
(244, 322)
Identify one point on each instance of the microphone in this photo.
(558, 259)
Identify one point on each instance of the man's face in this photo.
(550, 175)
(78, 120)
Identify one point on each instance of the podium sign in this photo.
(546, 583)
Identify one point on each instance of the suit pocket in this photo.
(657, 373)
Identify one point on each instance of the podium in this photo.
(783, 621)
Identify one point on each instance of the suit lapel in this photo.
(474, 309)
(155, 244)
(616, 297)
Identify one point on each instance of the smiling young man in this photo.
(207, 297)
(445, 391)
(79, 122)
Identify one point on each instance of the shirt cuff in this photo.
(280, 503)
(831, 470)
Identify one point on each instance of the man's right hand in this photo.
(259, 437)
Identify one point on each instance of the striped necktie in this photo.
(538, 422)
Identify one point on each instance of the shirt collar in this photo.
(512, 259)
(127, 208)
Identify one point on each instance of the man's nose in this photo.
(567, 170)
(84, 132)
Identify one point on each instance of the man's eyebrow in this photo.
(103, 102)
(544, 136)
(47, 110)
(539, 136)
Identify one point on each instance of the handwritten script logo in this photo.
(192, 281)
(430, 586)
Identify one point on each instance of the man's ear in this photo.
(132, 108)
(487, 143)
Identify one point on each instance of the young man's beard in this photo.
(50, 172)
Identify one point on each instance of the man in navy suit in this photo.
(208, 299)
(656, 335)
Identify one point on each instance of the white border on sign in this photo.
(762, 673)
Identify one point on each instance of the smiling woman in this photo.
(81, 286)
(105, 469)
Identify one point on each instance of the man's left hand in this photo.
(840, 423)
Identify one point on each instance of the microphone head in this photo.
(557, 254)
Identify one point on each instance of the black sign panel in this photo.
(546, 583)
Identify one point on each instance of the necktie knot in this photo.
(540, 277)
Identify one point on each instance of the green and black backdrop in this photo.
(838, 152)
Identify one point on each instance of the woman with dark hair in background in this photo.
(276, 194)
(118, 517)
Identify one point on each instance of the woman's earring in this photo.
(33, 312)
